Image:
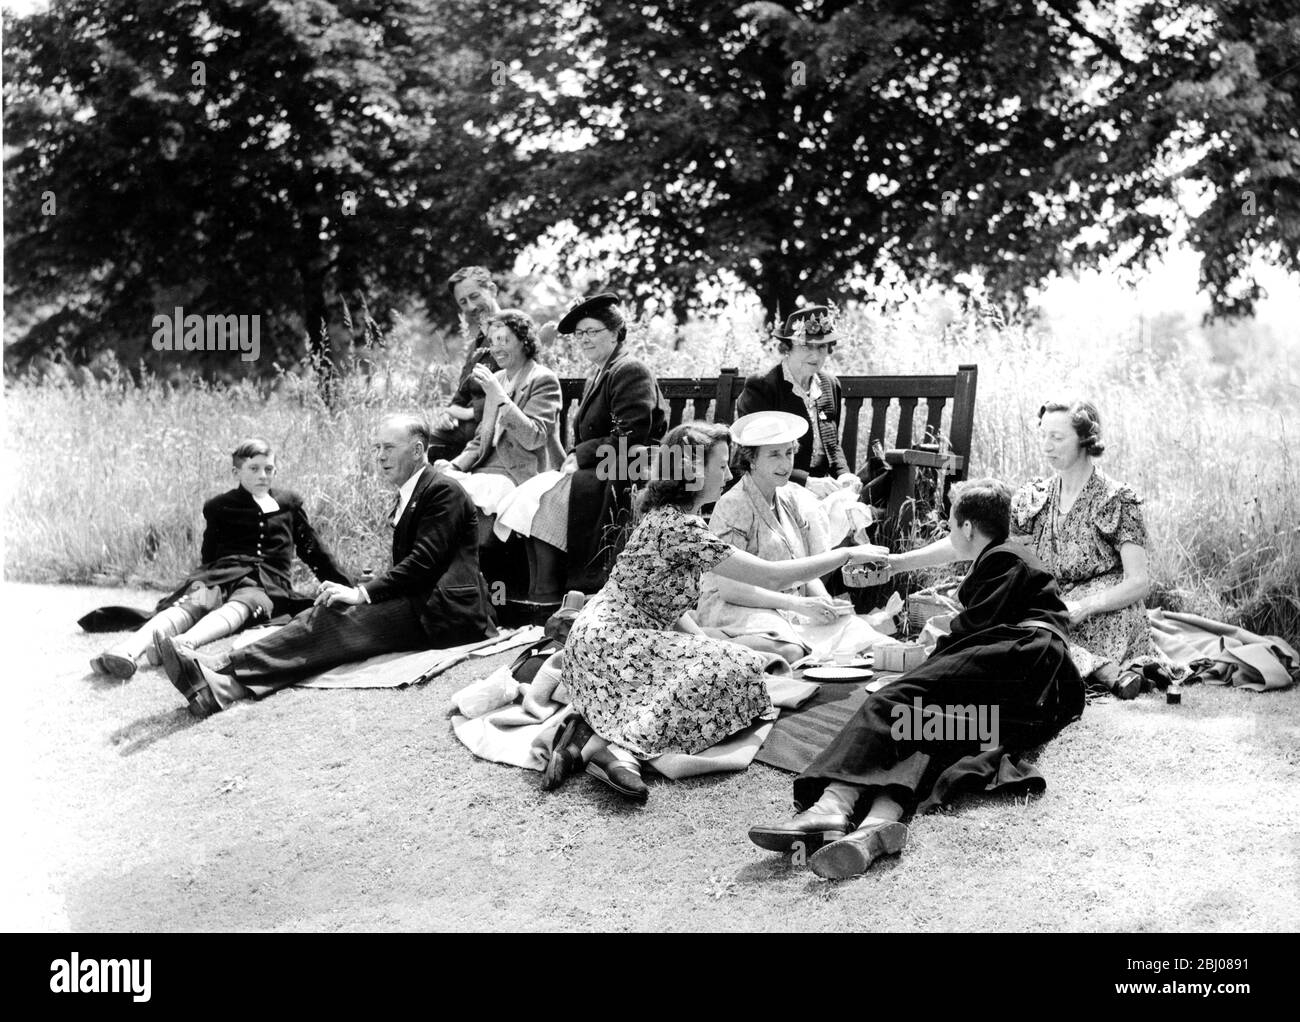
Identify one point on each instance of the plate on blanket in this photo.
(838, 673)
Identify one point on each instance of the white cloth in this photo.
(515, 512)
(488, 490)
(832, 518)
(404, 494)
(523, 732)
(266, 502)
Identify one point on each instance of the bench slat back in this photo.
(949, 407)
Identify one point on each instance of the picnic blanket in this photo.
(1223, 654)
(521, 733)
(396, 670)
(1208, 650)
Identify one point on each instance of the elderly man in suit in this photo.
(432, 596)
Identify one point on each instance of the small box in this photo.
(859, 575)
(898, 658)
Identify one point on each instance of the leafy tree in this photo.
(798, 144)
(306, 161)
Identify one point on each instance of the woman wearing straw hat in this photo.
(762, 516)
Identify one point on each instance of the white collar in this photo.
(404, 493)
(266, 502)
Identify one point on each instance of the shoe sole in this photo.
(772, 840)
(840, 860)
(120, 667)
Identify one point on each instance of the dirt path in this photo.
(361, 811)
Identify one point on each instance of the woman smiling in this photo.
(761, 516)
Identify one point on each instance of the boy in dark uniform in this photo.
(914, 743)
(249, 539)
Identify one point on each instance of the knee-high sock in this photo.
(225, 620)
(884, 808)
(169, 621)
(838, 797)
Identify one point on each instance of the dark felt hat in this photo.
(584, 307)
(813, 324)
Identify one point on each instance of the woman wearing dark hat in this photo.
(576, 517)
(799, 385)
(762, 516)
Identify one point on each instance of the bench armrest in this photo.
(951, 464)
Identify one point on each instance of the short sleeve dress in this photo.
(745, 519)
(1081, 548)
(641, 685)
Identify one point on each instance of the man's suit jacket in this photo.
(525, 434)
(435, 564)
(772, 392)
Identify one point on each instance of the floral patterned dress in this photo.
(642, 686)
(1081, 548)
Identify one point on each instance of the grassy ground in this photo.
(361, 811)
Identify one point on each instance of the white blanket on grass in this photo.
(521, 733)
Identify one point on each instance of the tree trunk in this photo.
(312, 266)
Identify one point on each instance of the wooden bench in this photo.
(941, 448)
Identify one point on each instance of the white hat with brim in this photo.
(760, 428)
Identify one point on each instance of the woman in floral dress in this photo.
(641, 674)
(1088, 531)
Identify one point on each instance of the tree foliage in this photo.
(290, 159)
(204, 154)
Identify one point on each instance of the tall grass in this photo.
(108, 475)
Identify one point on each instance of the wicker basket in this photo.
(924, 605)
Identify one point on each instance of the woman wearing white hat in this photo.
(762, 516)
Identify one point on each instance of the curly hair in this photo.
(1086, 421)
(743, 458)
(678, 470)
(522, 326)
(614, 319)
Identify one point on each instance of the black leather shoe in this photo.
(190, 678)
(813, 829)
(618, 775)
(851, 855)
(566, 752)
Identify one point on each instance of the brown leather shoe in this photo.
(190, 677)
(812, 829)
(851, 855)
